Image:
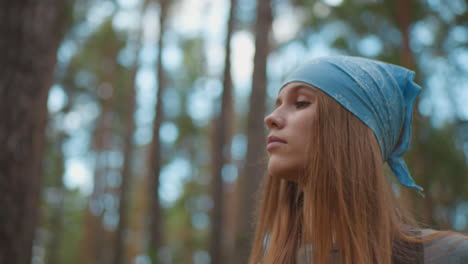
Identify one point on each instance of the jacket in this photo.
(448, 250)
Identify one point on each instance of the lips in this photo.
(274, 141)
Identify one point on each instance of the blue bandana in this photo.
(381, 95)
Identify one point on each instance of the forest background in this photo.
(132, 130)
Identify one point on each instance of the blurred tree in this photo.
(385, 30)
(94, 237)
(424, 156)
(54, 169)
(254, 163)
(62, 208)
(187, 223)
(128, 148)
(138, 212)
(129, 129)
(31, 32)
(154, 157)
(221, 151)
(402, 13)
(98, 59)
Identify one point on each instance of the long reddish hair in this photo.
(343, 199)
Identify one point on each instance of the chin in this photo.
(279, 170)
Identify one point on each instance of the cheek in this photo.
(287, 163)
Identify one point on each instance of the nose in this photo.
(273, 121)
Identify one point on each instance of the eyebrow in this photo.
(296, 89)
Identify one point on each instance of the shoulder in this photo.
(448, 248)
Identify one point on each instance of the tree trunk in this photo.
(232, 199)
(92, 244)
(129, 127)
(30, 32)
(56, 221)
(54, 248)
(254, 166)
(221, 153)
(403, 16)
(138, 223)
(154, 161)
(126, 175)
(403, 9)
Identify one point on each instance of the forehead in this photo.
(297, 87)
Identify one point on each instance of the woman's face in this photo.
(290, 126)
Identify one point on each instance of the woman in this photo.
(327, 199)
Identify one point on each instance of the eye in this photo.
(302, 104)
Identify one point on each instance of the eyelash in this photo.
(302, 104)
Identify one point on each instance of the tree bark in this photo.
(128, 150)
(55, 245)
(30, 32)
(221, 152)
(56, 219)
(254, 165)
(403, 16)
(138, 219)
(129, 127)
(94, 233)
(154, 161)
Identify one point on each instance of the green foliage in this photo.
(73, 221)
(448, 167)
